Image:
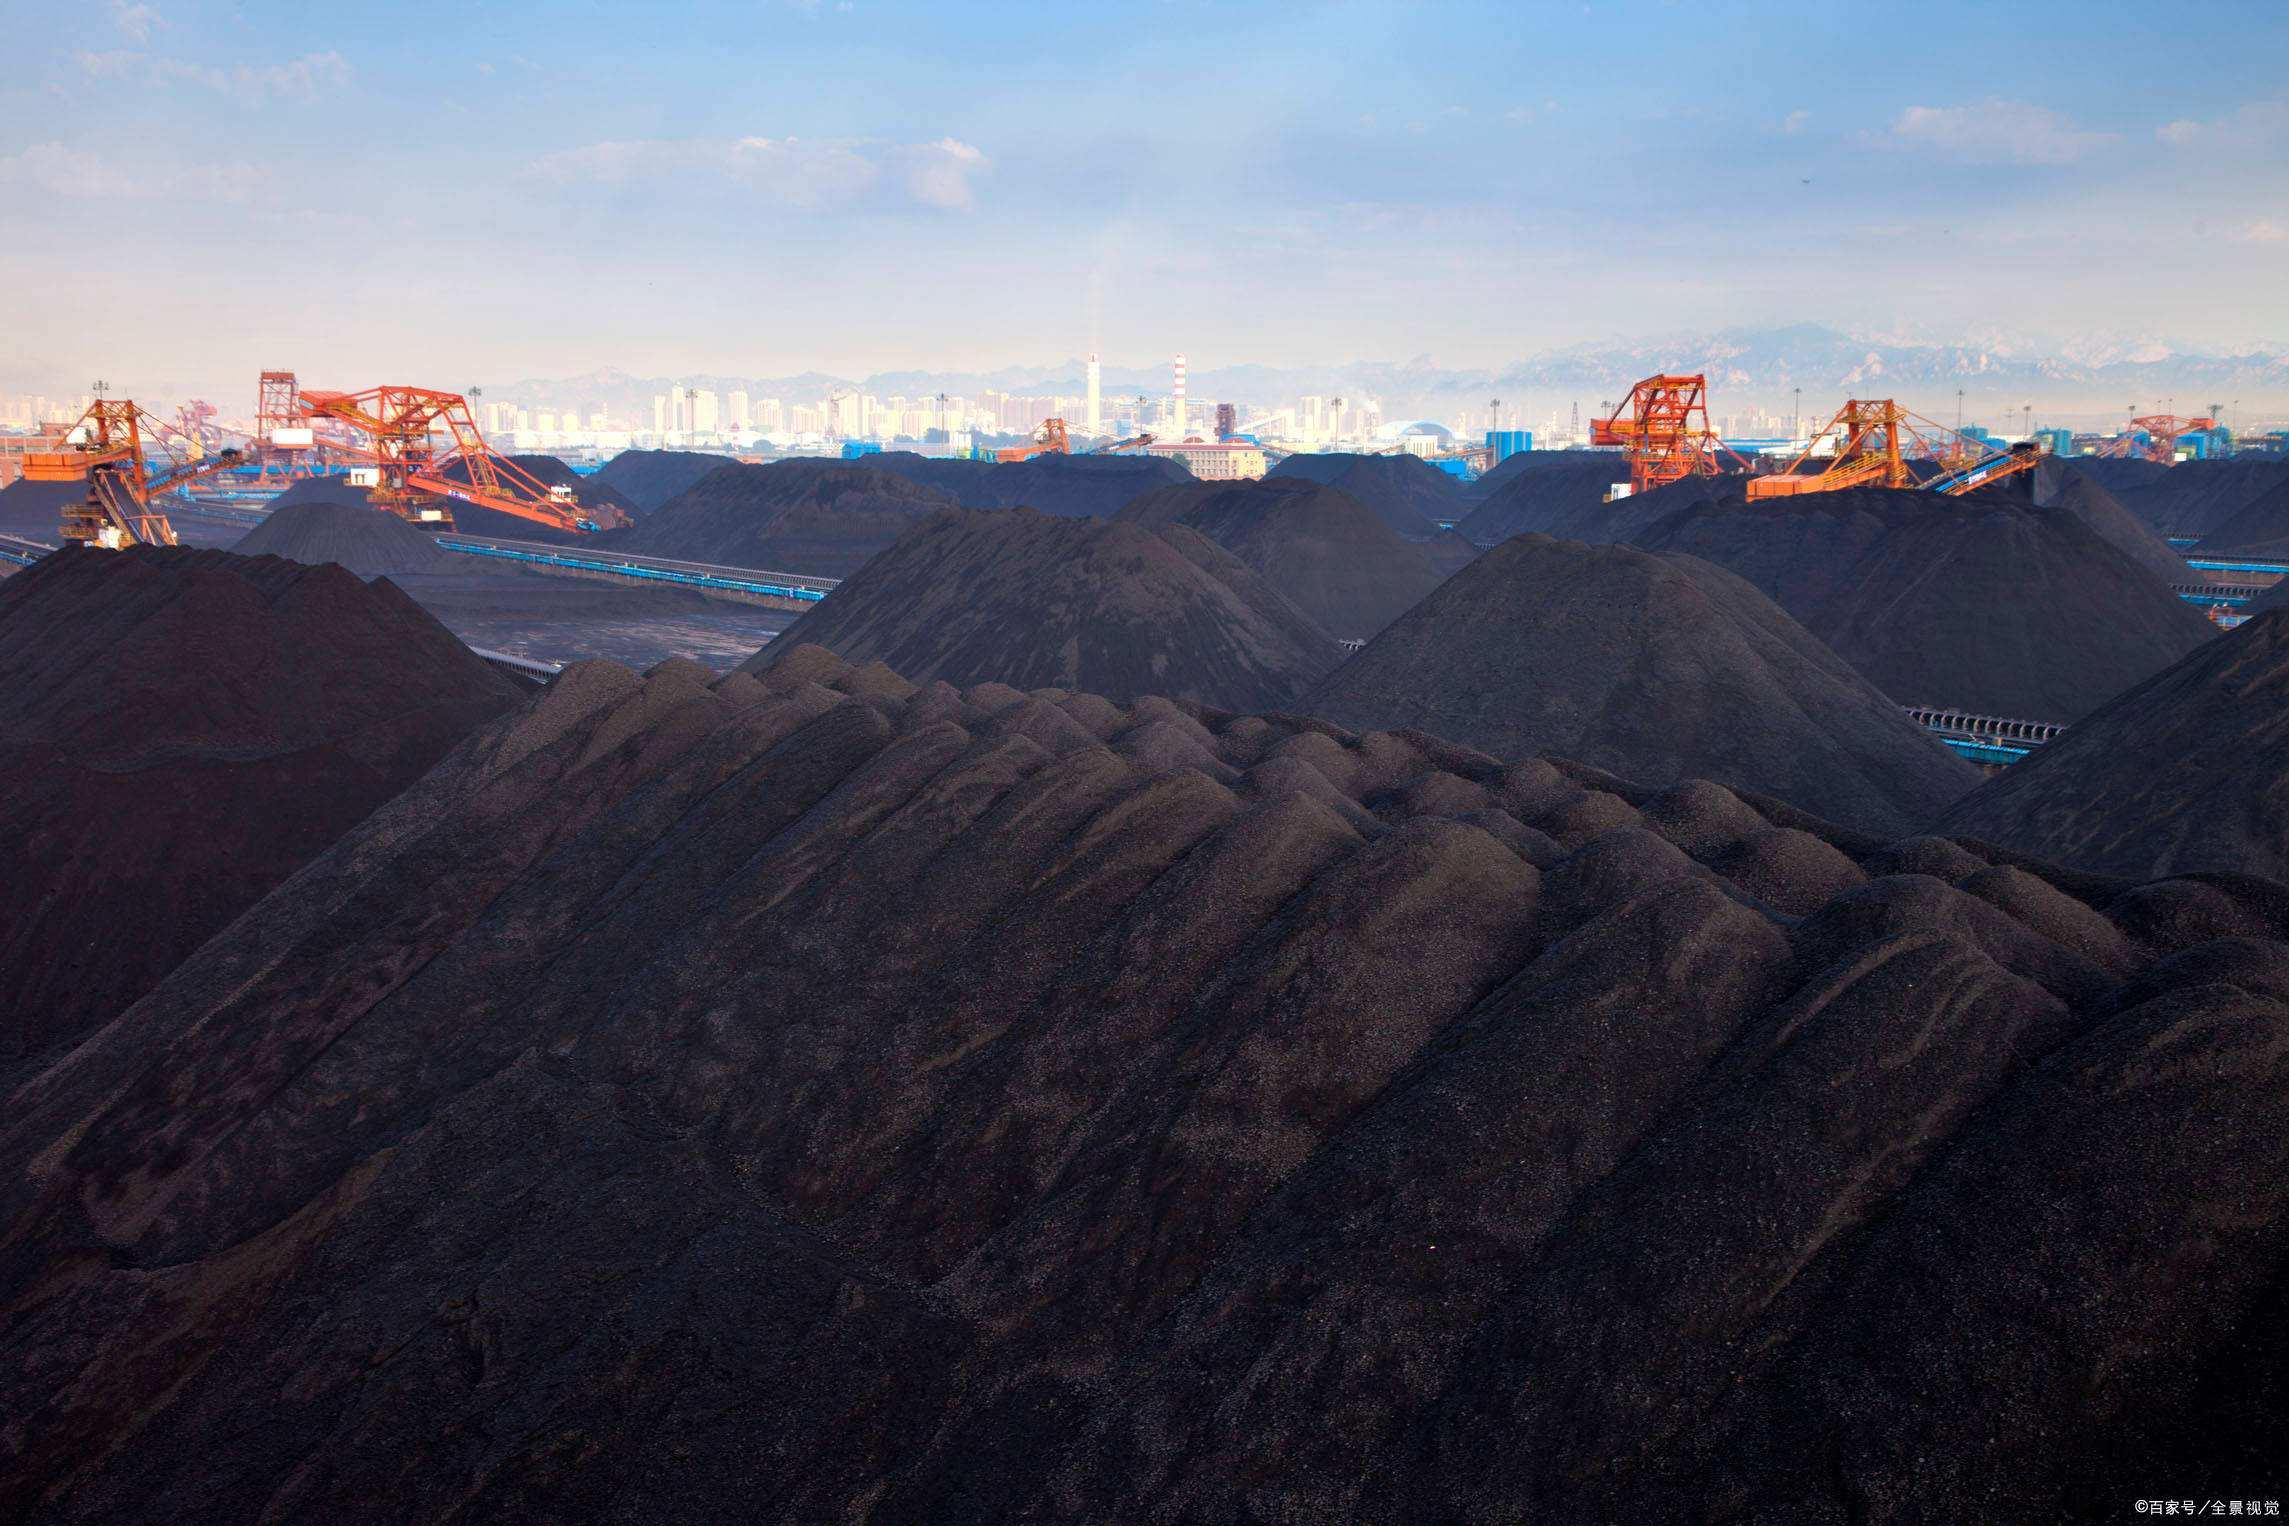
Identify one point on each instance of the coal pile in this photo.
(35, 510)
(2198, 499)
(606, 504)
(648, 478)
(1068, 486)
(2122, 476)
(803, 1096)
(1657, 668)
(2066, 484)
(347, 532)
(179, 731)
(1323, 548)
(2259, 528)
(1563, 495)
(824, 518)
(1028, 599)
(2189, 771)
(1984, 603)
(1407, 493)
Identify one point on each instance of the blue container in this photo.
(1502, 444)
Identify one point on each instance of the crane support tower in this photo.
(1871, 442)
(402, 427)
(107, 448)
(1048, 440)
(1663, 426)
(2161, 431)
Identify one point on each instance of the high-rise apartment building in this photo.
(704, 419)
(1176, 404)
(659, 414)
(738, 407)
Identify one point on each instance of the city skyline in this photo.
(848, 187)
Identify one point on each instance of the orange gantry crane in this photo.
(2161, 431)
(1133, 442)
(106, 447)
(1048, 440)
(1872, 440)
(402, 427)
(1663, 425)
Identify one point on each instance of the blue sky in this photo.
(456, 191)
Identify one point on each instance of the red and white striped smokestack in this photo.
(1179, 409)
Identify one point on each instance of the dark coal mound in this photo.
(1512, 467)
(1984, 602)
(2198, 499)
(606, 503)
(179, 731)
(2187, 771)
(649, 478)
(349, 533)
(1410, 495)
(803, 1097)
(2259, 528)
(2066, 484)
(1565, 496)
(1068, 486)
(1659, 668)
(2121, 476)
(35, 510)
(819, 517)
(1320, 546)
(1016, 597)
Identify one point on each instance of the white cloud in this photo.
(2263, 231)
(300, 79)
(1995, 131)
(57, 170)
(135, 21)
(796, 172)
(1794, 121)
(2259, 124)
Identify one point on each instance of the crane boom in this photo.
(1663, 426)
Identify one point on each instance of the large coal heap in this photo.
(35, 510)
(1323, 548)
(1984, 603)
(1658, 668)
(1070, 486)
(2259, 528)
(1407, 493)
(802, 1097)
(649, 478)
(1561, 494)
(1017, 597)
(2198, 499)
(2188, 771)
(825, 518)
(348, 532)
(179, 731)
(2068, 484)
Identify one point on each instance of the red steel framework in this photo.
(401, 426)
(2161, 430)
(1663, 425)
(1872, 441)
(107, 447)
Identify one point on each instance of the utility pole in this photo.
(1796, 415)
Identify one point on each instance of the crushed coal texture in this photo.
(824, 518)
(1657, 668)
(1554, 492)
(349, 532)
(1068, 486)
(179, 731)
(1407, 493)
(35, 510)
(2258, 529)
(2199, 499)
(649, 478)
(803, 1095)
(1341, 564)
(2187, 771)
(602, 500)
(1032, 600)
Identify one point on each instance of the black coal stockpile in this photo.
(2259, 528)
(179, 731)
(1983, 603)
(2198, 499)
(1658, 668)
(825, 518)
(649, 478)
(1563, 495)
(2068, 484)
(1407, 493)
(1028, 599)
(308, 525)
(599, 497)
(2122, 476)
(802, 1096)
(2188, 771)
(1064, 485)
(605, 505)
(1320, 546)
(35, 510)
